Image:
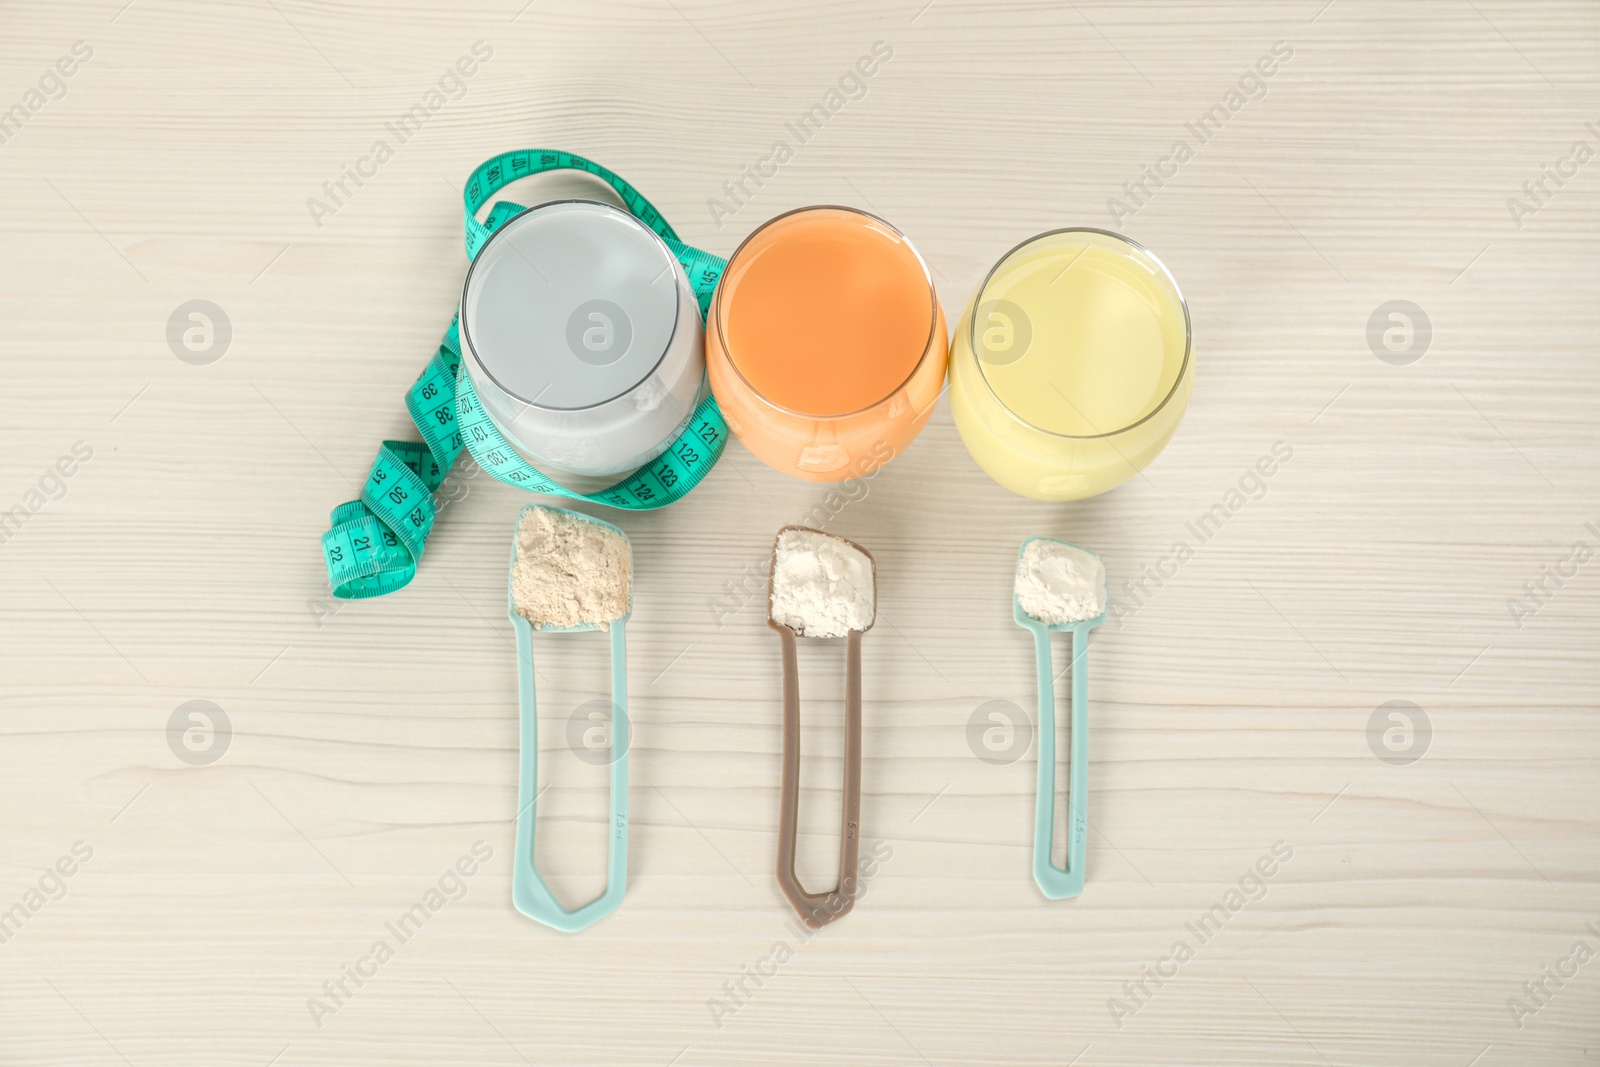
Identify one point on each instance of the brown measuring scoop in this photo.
(820, 586)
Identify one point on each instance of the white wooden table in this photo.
(372, 744)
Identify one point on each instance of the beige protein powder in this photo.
(570, 571)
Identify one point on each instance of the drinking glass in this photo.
(1071, 366)
(582, 337)
(825, 344)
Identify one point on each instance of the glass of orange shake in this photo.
(825, 344)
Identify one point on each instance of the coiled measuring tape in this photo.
(375, 542)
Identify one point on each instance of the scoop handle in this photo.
(816, 910)
(1059, 882)
(532, 896)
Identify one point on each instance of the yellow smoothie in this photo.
(1070, 369)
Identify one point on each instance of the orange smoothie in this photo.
(826, 346)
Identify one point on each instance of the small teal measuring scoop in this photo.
(529, 892)
(1058, 882)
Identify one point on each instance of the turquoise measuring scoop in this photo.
(1059, 882)
(528, 889)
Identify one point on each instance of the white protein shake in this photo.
(583, 339)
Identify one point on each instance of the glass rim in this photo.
(1188, 333)
(717, 312)
(677, 304)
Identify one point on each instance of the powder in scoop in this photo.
(821, 585)
(1058, 583)
(570, 571)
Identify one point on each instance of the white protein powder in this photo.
(569, 571)
(1058, 583)
(822, 586)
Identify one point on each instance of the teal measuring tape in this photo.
(374, 543)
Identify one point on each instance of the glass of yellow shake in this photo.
(1071, 367)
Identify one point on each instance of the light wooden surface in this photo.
(372, 745)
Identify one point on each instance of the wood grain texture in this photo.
(373, 743)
